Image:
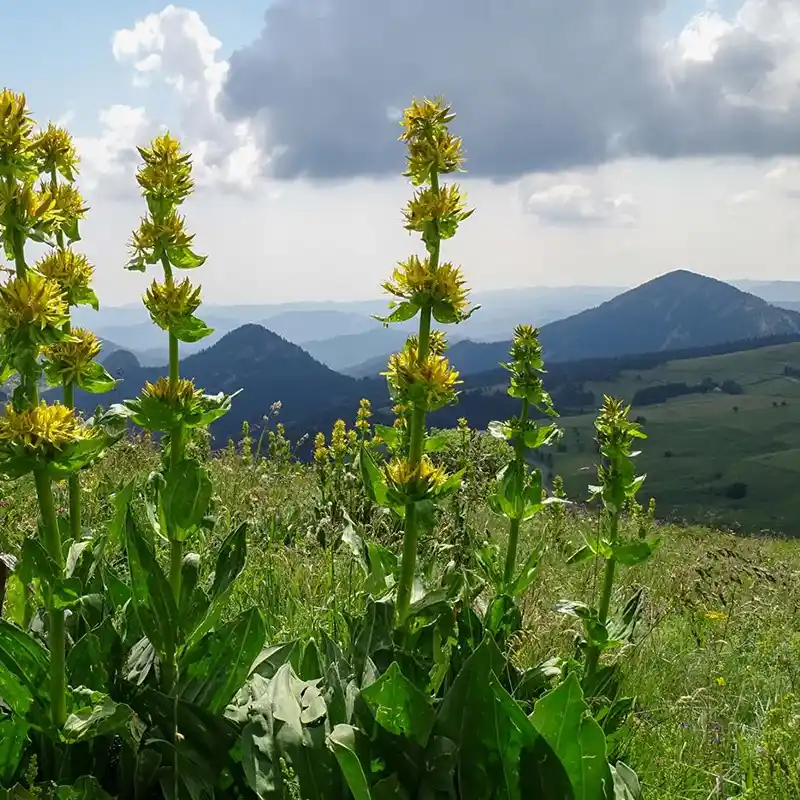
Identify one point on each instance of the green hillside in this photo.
(701, 446)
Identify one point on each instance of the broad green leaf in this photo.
(24, 667)
(191, 329)
(186, 496)
(94, 714)
(346, 741)
(527, 574)
(184, 258)
(635, 552)
(212, 671)
(626, 783)
(581, 554)
(95, 658)
(487, 725)
(85, 788)
(374, 481)
(564, 721)
(403, 312)
(389, 436)
(500, 430)
(230, 561)
(399, 707)
(95, 379)
(436, 443)
(13, 737)
(151, 592)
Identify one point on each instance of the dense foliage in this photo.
(132, 665)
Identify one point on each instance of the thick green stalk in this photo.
(408, 563)
(52, 542)
(177, 446)
(593, 655)
(513, 532)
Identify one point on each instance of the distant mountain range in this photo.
(341, 335)
(680, 311)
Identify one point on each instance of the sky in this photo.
(607, 141)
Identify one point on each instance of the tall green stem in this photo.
(177, 446)
(593, 655)
(68, 391)
(408, 563)
(513, 532)
(52, 542)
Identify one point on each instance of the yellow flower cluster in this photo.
(180, 395)
(426, 479)
(56, 152)
(72, 357)
(363, 416)
(443, 206)
(320, 450)
(430, 143)
(167, 172)
(43, 429)
(166, 231)
(430, 383)
(16, 129)
(169, 303)
(70, 270)
(414, 281)
(32, 300)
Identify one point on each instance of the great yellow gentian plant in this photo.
(420, 377)
(48, 440)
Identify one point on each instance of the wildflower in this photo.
(23, 208)
(56, 152)
(526, 368)
(69, 206)
(171, 303)
(180, 395)
(71, 271)
(154, 237)
(429, 384)
(41, 430)
(430, 143)
(320, 451)
(419, 483)
(436, 211)
(339, 439)
(443, 289)
(363, 416)
(31, 301)
(167, 172)
(17, 156)
(70, 359)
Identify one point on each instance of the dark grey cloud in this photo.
(538, 85)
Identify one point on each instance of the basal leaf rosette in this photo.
(18, 158)
(417, 286)
(32, 314)
(55, 152)
(72, 272)
(164, 405)
(73, 361)
(163, 236)
(48, 437)
(172, 306)
(429, 384)
(430, 143)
